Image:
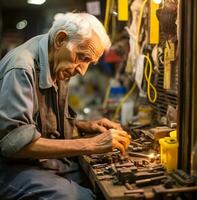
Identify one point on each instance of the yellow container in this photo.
(169, 152)
(173, 134)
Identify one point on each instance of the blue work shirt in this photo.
(18, 97)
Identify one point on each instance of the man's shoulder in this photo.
(23, 61)
(21, 57)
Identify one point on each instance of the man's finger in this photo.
(99, 128)
(117, 145)
(123, 140)
(110, 124)
(124, 134)
(120, 132)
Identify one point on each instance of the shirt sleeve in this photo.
(17, 127)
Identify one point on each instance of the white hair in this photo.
(80, 26)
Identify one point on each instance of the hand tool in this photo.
(149, 181)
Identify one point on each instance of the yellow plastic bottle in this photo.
(169, 152)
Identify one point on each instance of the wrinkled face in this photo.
(69, 60)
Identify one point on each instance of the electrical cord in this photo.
(106, 23)
(123, 100)
(106, 96)
(139, 26)
(107, 10)
(147, 76)
(138, 51)
(148, 79)
(148, 63)
(113, 30)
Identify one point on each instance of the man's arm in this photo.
(97, 126)
(17, 105)
(51, 148)
(21, 139)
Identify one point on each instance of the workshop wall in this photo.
(144, 55)
(38, 19)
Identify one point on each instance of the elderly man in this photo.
(36, 123)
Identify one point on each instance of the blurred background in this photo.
(22, 19)
(101, 90)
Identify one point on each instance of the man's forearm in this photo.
(51, 148)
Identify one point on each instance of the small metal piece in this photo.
(168, 183)
(128, 164)
(144, 175)
(138, 154)
(125, 175)
(134, 191)
(178, 179)
(114, 13)
(136, 143)
(158, 167)
(148, 181)
(99, 173)
(147, 143)
(105, 177)
(145, 162)
(161, 190)
(187, 180)
(148, 134)
(128, 186)
(96, 166)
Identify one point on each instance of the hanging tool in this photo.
(123, 10)
(169, 56)
(153, 23)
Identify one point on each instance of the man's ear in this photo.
(60, 37)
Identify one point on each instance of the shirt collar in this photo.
(45, 80)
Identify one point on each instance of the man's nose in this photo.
(82, 68)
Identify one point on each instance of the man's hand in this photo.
(97, 126)
(109, 140)
(120, 140)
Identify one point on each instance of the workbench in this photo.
(110, 191)
(106, 186)
(144, 177)
(124, 191)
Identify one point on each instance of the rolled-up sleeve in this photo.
(17, 127)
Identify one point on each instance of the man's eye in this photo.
(83, 58)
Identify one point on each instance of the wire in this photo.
(148, 79)
(106, 95)
(113, 30)
(139, 25)
(138, 51)
(107, 10)
(148, 63)
(106, 22)
(123, 100)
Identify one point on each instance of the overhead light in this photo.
(22, 24)
(36, 2)
(157, 1)
(86, 110)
